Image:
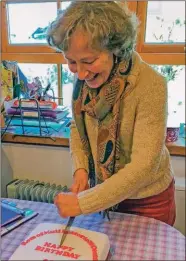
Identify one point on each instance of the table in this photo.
(132, 237)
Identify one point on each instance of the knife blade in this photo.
(67, 228)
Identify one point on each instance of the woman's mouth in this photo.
(93, 78)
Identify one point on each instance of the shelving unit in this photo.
(33, 118)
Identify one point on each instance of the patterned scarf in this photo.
(102, 104)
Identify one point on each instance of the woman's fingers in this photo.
(79, 186)
(80, 181)
(67, 204)
(75, 188)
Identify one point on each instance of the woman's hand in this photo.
(80, 181)
(67, 204)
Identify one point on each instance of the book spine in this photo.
(8, 228)
(17, 210)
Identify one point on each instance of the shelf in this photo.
(175, 148)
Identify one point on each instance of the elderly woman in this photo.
(120, 160)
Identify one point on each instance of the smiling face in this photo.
(93, 66)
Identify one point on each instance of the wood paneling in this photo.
(163, 58)
(132, 6)
(156, 58)
(175, 148)
(34, 57)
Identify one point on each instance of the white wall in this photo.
(43, 163)
(53, 164)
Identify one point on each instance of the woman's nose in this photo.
(82, 73)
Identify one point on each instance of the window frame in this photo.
(148, 47)
(22, 48)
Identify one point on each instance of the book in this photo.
(52, 115)
(33, 104)
(16, 223)
(12, 217)
(80, 244)
(8, 215)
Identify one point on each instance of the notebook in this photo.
(12, 217)
(8, 216)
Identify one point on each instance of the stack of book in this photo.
(47, 110)
(12, 217)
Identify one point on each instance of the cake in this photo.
(80, 244)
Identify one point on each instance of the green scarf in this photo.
(102, 104)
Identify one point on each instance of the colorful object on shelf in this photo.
(6, 84)
(2, 122)
(53, 115)
(32, 104)
(182, 130)
(17, 91)
(19, 80)
(172, 134)
(35, 88)
(13, 67)
(22, 80)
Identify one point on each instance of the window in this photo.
(36, 17)
(161, 43)
(65, 4)
(175, 76)
(162, 26)
(67, 83)
(165, 22)
(47, 73)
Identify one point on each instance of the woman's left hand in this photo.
(67, 204)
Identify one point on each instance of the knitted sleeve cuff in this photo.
(89, 201)
(79, 162)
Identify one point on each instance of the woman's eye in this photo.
(91, 62)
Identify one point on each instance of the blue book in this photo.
(8, 216)
(12, 217)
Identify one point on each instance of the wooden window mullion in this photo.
(142, 46)
(60, 87)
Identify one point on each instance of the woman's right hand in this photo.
(80, 181)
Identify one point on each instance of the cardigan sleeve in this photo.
(79, 159)
(147, 149)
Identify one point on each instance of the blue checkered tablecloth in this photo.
(132, 237)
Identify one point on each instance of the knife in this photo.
(67, 228)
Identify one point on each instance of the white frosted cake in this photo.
(80, 244)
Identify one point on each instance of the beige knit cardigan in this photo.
(147, 170)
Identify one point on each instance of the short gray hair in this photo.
(110, 26)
